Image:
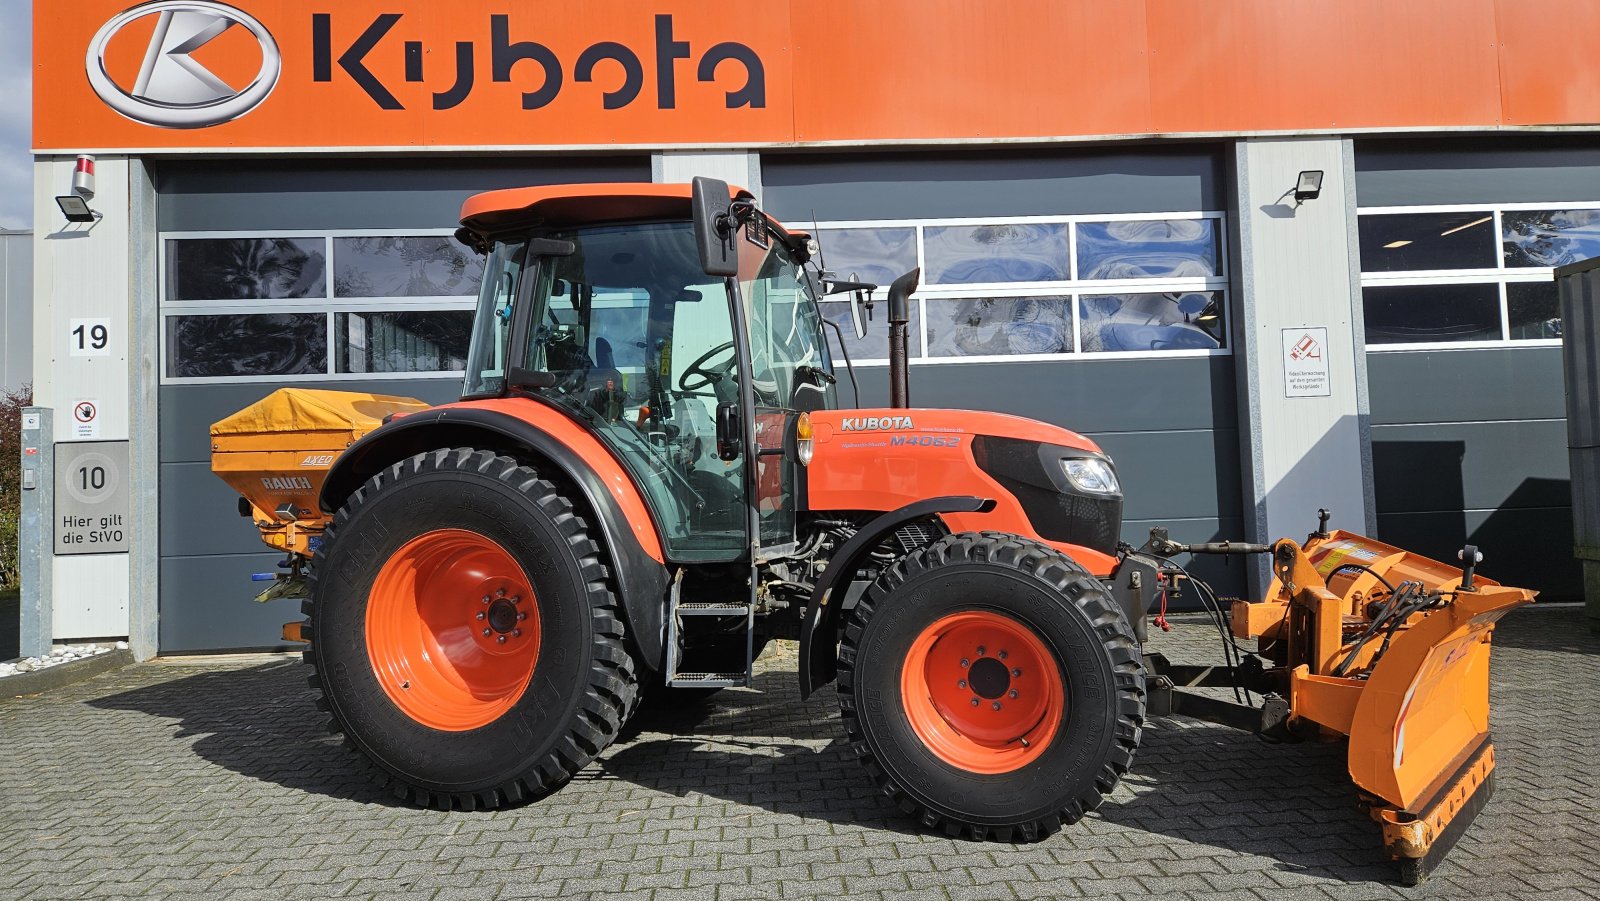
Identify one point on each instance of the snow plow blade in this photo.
(1390, 649)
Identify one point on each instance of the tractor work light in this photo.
(1091, 475)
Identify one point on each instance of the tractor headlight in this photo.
(802, 439)
(1091, 475)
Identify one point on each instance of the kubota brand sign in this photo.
(172, 89)
(204, 75)
(182, 73)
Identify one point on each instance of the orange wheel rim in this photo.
(982, 692)
(452, 629)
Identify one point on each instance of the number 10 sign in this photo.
(91, 497)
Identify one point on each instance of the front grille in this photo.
(1055, 509)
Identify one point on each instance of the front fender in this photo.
(819, 632)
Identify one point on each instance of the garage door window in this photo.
(1041, 287)
(1469, 276)
(315, 306)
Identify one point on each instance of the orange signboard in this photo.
(338, 74)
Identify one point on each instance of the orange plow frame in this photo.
(1415, 707)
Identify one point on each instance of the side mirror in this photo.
(713, 228)
(858, 313)
(728, 443)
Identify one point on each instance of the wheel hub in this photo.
(503, 615)
(989, 677)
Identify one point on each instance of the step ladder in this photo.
(680, 676)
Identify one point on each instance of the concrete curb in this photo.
(63, 674)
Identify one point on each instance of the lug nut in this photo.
(516, 599)
(481, 614)
(962, 684)
(976, 702)
(1012, 694)
(486, 599)
(1016, 674)
(997, 705)
(487, 632)
(501, 639)
(521, 617)
(516, 633)
(980, 650)
(965, 663)
(499, 592)
(1002, 655)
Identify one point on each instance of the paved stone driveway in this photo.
(215, 780)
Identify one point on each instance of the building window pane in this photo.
(876, 255)
(1535, 310)
(1150, 248)
(270, 344)
(1190, 320)
(1401, 314)
(433, 341)
(1411, 242)
(983, 326)
(404, 267)
(245, 268)
(875, 346)
(982, 254)
(1549, 237)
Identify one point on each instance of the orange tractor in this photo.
(648, 476)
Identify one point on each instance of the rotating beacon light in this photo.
(83, 177)
(75, 206)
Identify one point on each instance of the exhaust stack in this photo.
(899, 324)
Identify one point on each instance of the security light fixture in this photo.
(75, 208)
(1308, 186)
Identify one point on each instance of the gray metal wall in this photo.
(1170, 424)
(207, 551)
(1470, 445)
(16, 300)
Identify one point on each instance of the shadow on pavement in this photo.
(260, 722)
(1192, 781)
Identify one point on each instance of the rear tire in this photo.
(992, 687)
(463, 634)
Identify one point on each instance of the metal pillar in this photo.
(35, 533)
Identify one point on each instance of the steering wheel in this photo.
(708, 376)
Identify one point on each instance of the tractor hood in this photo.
(884, 459)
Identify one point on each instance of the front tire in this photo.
(464, 636)
(992, 687)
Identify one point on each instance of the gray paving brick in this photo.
(214, 779)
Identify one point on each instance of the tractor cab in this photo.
(607, 312)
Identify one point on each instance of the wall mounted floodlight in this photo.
(1308, 186)
(76, 209)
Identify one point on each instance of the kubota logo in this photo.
(172, 89)
(874, 423)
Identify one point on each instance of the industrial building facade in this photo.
(1102, 199)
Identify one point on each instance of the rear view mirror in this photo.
(713, 227)
(858, 314)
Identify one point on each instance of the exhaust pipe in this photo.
(899, 324)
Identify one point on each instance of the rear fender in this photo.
(630, 545)
(819, 632)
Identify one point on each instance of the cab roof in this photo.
(576, 205)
